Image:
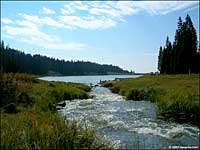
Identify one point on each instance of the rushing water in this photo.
(129, 124)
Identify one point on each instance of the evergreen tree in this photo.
(183, 56)
(177, 47)
(160, 59)
(16, 61)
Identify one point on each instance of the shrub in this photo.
(24, 98)
(7, 89)
(25, 77)
(51, 85)
(136, 95)
(179, 106)
(82, 87)
(153, 95)
(115, 89)
(56, 95)
(107, 84)
(67, 96)
(122, 92)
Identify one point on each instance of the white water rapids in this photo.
(129, 124)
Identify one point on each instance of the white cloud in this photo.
(32, 18)
(40, 21)
(192, 8)
(6, 21)
(85, 15)
(26, 23)
(32, 35)
(87, 22)
(162, 7)
(67, 10)
(102, 15)
(49, 21)
(48, 11)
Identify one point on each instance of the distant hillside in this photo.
(15, 61)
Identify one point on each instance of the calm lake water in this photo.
(87, 79)
(129, 124)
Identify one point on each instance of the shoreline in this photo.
(176, 96)
(29, 112)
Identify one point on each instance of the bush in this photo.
(107, 84)
(51, 85)
(7, 89)
(67, 96)
(179, 106)
(26, 77)
(24, 99)
(56, 95)
(76, 95)
(136, 95)
(82, 87)
(153, 95)
(115, 89)
(122, 92)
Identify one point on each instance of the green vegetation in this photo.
(182, 56)
(12, 60)
(177, 96)
(29, 119)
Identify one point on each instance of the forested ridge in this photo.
(183, 56)
(13, 60)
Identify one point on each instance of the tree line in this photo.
(14, 61)
(183, 55)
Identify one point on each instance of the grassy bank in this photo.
(177, 96)
(29, 119)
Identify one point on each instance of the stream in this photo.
(128, 124)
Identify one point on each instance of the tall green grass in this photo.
(44, 130)
(29, 120)
(177, 96)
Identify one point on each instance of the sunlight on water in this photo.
(128, 124)
(131, 124)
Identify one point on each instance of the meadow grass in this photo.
(29, 119)
(177, 96)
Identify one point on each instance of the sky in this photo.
(127, 34)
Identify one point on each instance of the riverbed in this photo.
(128, 124)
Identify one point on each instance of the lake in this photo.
(87, 79)
(128, 124)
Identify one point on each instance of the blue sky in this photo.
(123, 33)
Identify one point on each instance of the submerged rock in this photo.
(61, 104)
(59, 107)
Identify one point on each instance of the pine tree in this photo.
(183, 56)
(166, 56)
(160, 59)
(187, 47)
(2, 55)
(177, 48)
